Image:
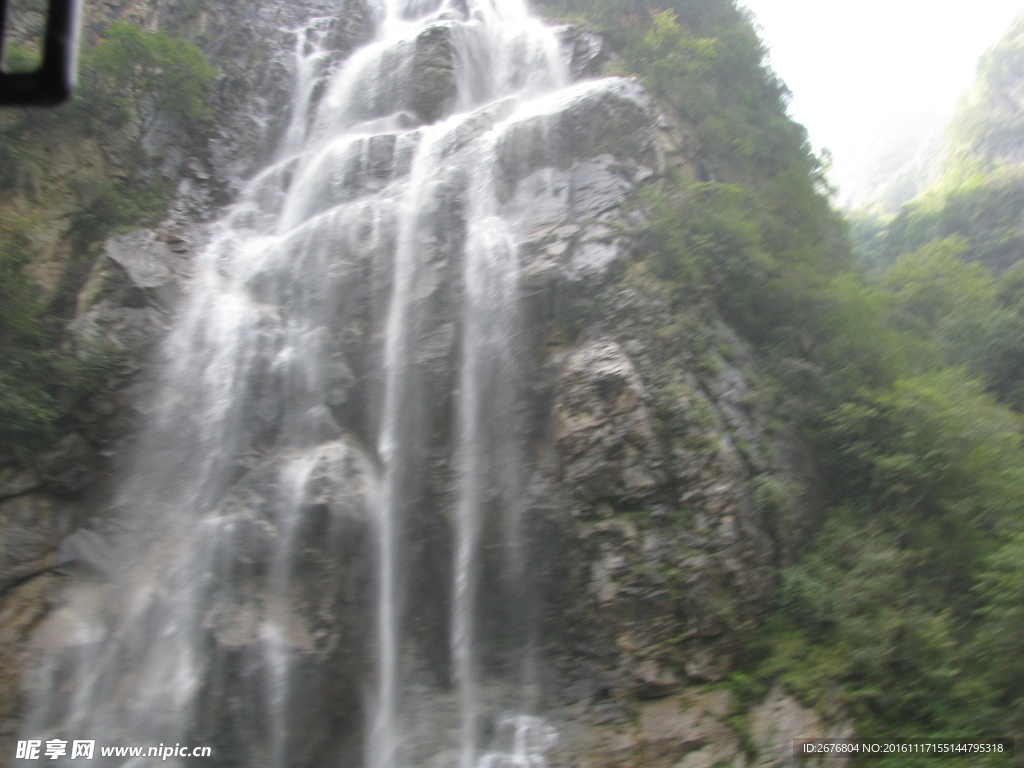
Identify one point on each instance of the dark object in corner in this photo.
(51, 83)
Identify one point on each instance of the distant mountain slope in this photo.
(980, 194)
(989, 124)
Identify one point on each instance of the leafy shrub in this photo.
(150, 71)
(129, 78)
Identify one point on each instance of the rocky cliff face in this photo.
(124, 298)
(660, 494)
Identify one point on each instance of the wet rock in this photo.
(674, 550)
(123, 307)
(303, 517)
(352, 28)
(340, 382)
(235, 626)
(572, 220)
(611, 117)
(697, 728)
(85, 551)
(597, 250)
(779, 720)
(587, 51)
(615, 119)
(16, 480)
(119, 322)
(597, 187)
(23, 608)
(603, 429)
(705, 667)
(540, 203)
(433, 72)
(70, 466)
(146, 260)
(655, 680)
(125, 304)
(30, 528)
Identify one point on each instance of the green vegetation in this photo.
(988, 129)
(905, 608)
(930, 469)
(21, 58)
(983, 209)
(24, 53)
(26, 409)
(129, 79)
(40, 382)
(981, 190)
(146, 74)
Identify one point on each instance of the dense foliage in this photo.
(983, 208)
(148, 74)
(905, 608)
(129, 79)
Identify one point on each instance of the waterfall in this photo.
(276, 497)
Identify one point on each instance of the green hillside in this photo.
(904, 610)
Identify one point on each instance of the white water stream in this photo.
(357, 200)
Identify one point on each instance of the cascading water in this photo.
(275, 486)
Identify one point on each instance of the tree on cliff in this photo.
(147, 74)
(132, 77)
(904, 608)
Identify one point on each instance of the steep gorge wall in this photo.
(120, 296)
(662, 497)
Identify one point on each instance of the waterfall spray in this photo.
(269, 499)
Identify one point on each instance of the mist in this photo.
(875, 82)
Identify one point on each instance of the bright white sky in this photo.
(868, 73)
